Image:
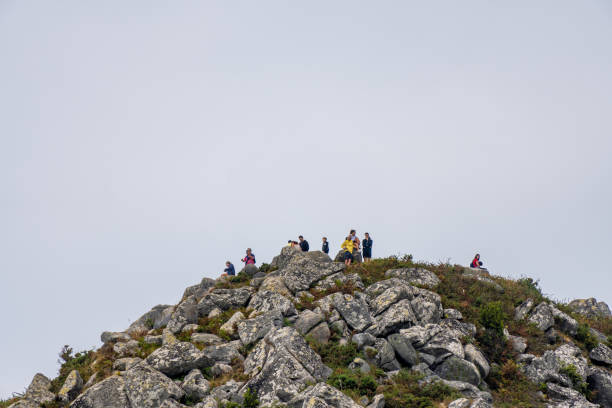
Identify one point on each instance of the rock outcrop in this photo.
(290, 334)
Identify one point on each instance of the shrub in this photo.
(80, 361)
(577, 382)
(334, 354)
(584, 335)
(492, 317)
(250, 399)
(406, 391)
(266, 268)
(344, 379)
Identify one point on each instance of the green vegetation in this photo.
(584, 335)
(8, 402)
(353, 382)
(213, 324)
(335, 355)
(80, 361)
(511, 388)
(266, 268)
(250, 399)
(406, 392)
(577, 382)
(492, 317)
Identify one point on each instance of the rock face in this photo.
(148, 388)
(38, 390)
(415, 276)
(71, 388)
(590, 307)
(281, 319)
(107, 393)
(281, 364)
(178, 358)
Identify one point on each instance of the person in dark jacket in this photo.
(229, 269)
(303, 244)
(325, 247)
(367, 248)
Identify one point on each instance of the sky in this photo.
(144, 143)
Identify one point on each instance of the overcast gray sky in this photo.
(143, 143)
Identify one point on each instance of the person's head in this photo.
(348, 238)
(477, 256)
(227, 263)
(289, 241)
(367, 235)
(248, 251)
(324, 239)
(301, 238)
(352, 232)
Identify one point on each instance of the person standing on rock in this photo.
(325, 247)
(347, 245)
(355, 239)
(303, 244)
(229, 269)
(249, 258)
(367, 248)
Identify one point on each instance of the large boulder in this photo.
(475, 356)
(251, 330)
(385, 356)
(457, 369)
(225, 353)
(178, 358)
(322, 395)
(353, 309)
(108, 337)
(601, 354)
(281, 365)
(565, 322)
(397, 316)
(404, 350)
(185, 313)
(195, 385)
(522, 310)
(600, 381)
(590, 307)
(155, 318)
(565, 397)
(443, 344)
(231, 326)
(427, 306)
(107, 393)
(71, 388)
(301, 272)
(38, 390)
(148, 388)
(307, 320)
(547, 367)
(415, 276)
(542, 316)
(340, 279)
(266, 301)
(224, 299)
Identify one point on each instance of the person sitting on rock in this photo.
(476, 262)
(367, 248)
(325, 247)
(347, 245)
(229, 269)
(303, 244)
(249, 258)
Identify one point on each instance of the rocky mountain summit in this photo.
(305, 331)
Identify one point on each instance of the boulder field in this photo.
(305, 332)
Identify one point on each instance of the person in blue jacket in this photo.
(325, 247)
(229, 269)
(367, 248)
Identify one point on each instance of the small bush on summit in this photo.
(80, 361)
(571, 371)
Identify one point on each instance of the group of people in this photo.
(351, 246)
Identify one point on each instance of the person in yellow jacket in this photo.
(347, 245)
